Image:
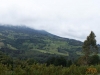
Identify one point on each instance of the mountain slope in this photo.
(30, 42)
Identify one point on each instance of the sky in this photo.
(73, 19)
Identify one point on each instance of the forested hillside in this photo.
(26, 51)
(23, 42)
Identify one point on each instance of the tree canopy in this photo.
(89, 47)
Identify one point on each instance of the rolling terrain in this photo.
(24, 42)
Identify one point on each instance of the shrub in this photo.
(91, 70)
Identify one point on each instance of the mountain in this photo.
(24, 42)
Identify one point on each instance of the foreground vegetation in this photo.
(53, 66)
(42, 69)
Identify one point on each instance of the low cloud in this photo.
(66, 18)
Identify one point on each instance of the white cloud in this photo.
(67, 18)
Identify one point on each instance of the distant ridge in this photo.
(36, 43)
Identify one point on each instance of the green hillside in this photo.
(24, 42)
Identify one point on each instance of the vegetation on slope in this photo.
(26, 41)
(16, 54)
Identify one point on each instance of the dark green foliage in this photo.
(57, 61)
(94, 60)
(23, 42)
(4, 59)
(69, 63)
(3, 69)
(31, 61)
(28, 67)
(89, 47)
(50, 61)
(42, 69)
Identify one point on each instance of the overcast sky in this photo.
(73, 19)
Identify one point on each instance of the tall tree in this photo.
(89, 47)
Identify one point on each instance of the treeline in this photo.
(42, 69)
(53, 66)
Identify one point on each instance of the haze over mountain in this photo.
(66, 18)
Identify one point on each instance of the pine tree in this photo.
(89, 47)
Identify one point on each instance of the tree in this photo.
(94, 60)
(60, 61)
(57, 61)
(69, 63)
(89, 47)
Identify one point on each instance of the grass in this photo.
(52, 52)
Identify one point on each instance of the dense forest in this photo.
(26, 51)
